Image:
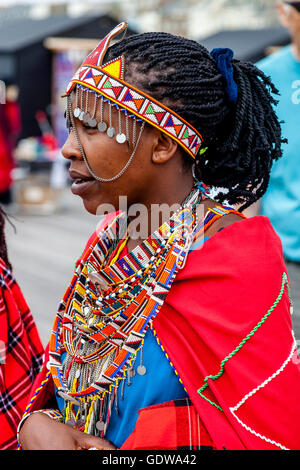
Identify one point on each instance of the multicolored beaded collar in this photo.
(106, 80)
(107, 308)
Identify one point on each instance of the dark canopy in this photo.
(248, 44)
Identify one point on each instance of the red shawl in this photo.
(20, 356)
(226, 328)
(10, 126)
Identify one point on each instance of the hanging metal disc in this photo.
(111, 132)
(86, 118)
(121, 138)
(92, 122)
(102, 126)
(100, 425)
(141, 370)
(77, 112)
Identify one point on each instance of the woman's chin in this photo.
(90, 206)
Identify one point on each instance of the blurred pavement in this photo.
(43, 252)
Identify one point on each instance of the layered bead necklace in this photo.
(107, 309)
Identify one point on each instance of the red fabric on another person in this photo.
(10, 126)
(21, 354)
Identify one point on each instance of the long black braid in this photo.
(242, 139)
(3, 247)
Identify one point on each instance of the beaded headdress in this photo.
(106, 81)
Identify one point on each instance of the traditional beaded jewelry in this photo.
(102, 126)
(107, 80)
(106, 311)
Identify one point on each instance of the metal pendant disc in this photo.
(80, 117)
(141, 370)
(100, 425)
(92, 122)
(121, 138)
(76, 112)
(86, 117)
(102, 126)
(111, 132)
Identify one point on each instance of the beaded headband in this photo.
(107, 81)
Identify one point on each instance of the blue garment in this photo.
(158, 385)
(281, 203)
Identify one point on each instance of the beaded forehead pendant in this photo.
(97, 82)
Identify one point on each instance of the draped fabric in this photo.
(10, 126)
(21, 354)
(226, 328)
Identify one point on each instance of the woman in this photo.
(168, 339)
(20, 350)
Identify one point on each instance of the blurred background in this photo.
(41, 45)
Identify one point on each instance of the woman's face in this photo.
(107, 157)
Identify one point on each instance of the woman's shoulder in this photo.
(246, 246)
(245, 231)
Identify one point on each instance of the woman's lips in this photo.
(80, 186)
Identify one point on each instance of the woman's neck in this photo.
(157, 208)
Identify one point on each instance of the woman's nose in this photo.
(70, 149)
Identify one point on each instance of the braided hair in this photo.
(3, 247)
(241, 140)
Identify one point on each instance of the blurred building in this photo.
(26, 62)
(249, 44)
(40, 56)
(191, 18)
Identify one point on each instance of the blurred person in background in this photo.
(10, 128)
(281, 203)
(170, 340)
(21, 350)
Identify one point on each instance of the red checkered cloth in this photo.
(21, 354)
(174, 425)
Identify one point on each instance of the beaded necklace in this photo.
(107, 309)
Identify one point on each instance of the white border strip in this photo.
(233, 409)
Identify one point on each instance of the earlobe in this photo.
(164, 148)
